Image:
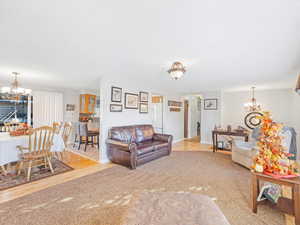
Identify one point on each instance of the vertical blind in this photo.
(47, 108)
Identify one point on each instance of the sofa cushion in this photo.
(247, 146)
(123, 134)
(144, 133)
(145, 147)
(160, 144)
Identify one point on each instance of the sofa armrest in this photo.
(122, 146)
(163, 137)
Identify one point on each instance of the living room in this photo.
(169, 106)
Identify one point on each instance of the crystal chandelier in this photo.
(253, 106)
(177, 70)
(15, 88)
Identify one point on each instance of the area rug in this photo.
(13, 180)
(103, 198)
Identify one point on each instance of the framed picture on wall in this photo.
(211, 104)
(143, 108)
(144, 96)
(116, 94)
(131, 101)
(70, 107)
(116, 108)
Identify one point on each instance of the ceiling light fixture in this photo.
(253, 106)
(15, 88)
(177, 70)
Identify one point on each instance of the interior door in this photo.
(157, 113)
(186, 118)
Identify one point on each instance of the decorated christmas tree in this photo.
(272, 158)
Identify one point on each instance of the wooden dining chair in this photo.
(38, 150)
(76, 133)
(67, 129)
(57, 127)
(87, 137)
(65, 134)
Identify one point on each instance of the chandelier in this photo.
(15, 88)
(177, 70)
(253, 106)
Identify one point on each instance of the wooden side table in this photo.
(287, 206)
(215, 134)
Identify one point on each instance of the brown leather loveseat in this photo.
(132, 146)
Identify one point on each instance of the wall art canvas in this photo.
(131, 101)
(116, 94)
(116, 108)
(143, 108)
(144, 96)
(70, 107)
(211, 104)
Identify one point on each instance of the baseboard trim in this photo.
(178, 140)
(206, 143)
(104, 161)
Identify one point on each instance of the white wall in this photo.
(173, 121)
(210, 118)
(295, 115)
(278, 102)
(71, 97)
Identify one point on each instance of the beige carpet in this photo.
(103, 197)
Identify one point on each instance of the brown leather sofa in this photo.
(132, 146)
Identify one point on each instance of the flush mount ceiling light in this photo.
(298, 85)
(177, 70)
(253, 106)
(15, 88)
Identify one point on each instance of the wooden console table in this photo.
(286, 205)
(215, 134)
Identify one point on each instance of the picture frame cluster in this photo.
(131, 100)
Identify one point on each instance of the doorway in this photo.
(192, 118)
(158, 113)
(186, 118)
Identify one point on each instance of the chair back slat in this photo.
(44, 140)
(41, 139)
(57, 127)
(34, 141)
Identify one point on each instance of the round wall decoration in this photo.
(251, 120)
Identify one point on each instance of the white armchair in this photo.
(244, 152)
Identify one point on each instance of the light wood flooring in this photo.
(84, 166)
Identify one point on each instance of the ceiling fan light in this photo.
(177, 70)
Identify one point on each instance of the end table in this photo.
(286, 205)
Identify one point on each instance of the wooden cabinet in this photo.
(87, 103)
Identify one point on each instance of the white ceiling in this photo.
(224, 43)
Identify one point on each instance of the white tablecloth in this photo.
(8, 147)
